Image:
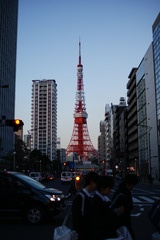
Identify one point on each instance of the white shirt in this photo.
(86, 192)
(104, 198)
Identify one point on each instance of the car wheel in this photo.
(34, 215)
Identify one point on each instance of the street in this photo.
(143, 197)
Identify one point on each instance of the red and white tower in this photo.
(80, 142)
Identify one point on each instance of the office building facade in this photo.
(44, 117)
(156, 57)
(8, 47)
(146, 112)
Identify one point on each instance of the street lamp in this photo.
(34, 129)
(14, 162)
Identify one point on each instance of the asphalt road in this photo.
(143, 198)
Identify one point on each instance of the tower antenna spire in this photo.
(79, 51)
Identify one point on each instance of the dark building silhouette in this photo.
(8, 45)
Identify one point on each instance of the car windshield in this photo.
(31, 181)
(66, 174)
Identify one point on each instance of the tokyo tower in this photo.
(80, 142)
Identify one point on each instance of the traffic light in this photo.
(15, 123)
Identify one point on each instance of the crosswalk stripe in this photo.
(147, 199)
(157, 198)
(135, 200)
(140, 199)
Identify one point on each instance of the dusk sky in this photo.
(115, 35)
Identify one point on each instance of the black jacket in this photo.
(123, 197)
(80, 215)
(103, 220)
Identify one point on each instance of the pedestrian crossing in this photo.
(149, 200)
(138, 200)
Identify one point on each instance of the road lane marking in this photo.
(141, 209)
(135, 200)
(149, 200)
(135, 214)
(142, 190)
(157, 198)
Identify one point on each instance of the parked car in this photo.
(66, 177)
(22, 196)
(36, 176)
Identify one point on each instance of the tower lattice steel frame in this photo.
(80, 142)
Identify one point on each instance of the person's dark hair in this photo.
(91, 176)
(104, 182)
(131, 179)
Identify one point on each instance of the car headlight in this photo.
(54, 198)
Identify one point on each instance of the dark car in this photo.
(22, 196)
(48, 177)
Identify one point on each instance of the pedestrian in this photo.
(103, 220)
(150, 180)
(123, 197)
(72, 190)
(80, 206)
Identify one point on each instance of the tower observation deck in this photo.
(80, 142)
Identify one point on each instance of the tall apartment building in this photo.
(132, 125)
(119, 134)
(44, 117)
(101, 141)
(8, 47)
(108, 138)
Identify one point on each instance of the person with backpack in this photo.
(80, 206)
(123, 197)
(103, 220)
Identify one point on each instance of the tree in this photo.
(21, 155)
(34, 160)
(39, 162)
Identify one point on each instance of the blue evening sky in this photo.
(115, 35)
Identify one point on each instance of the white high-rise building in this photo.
(108, 131)
(44, 117)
